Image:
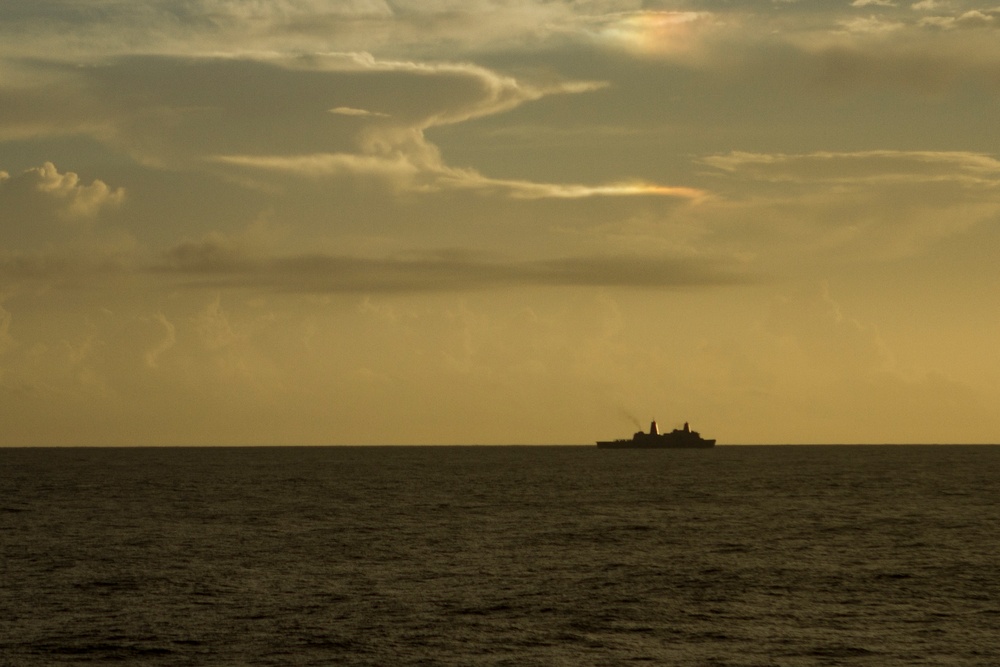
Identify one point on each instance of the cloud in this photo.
(204, 26)
(429, 174)
(215, 263)
(465, 90)
(316, 115)
(215, 331)
(43, 207)
(72, 198)
(282, 108)
(66, 268)
(833, 47)
(350, 111)
(40, 99)
(863, 166)
(970, 19)
(858, 205)
(391, 144)
(152, 356)
(7, 341)
(162, 107)
(816, 325)
(530, 190)
(651, 33)
(79, 200)
(393, 167)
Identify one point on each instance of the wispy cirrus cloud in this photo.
(397, 167)
(432, 175)
(351, 111)
(110, 27)
(970, 19)
(392, 144)
(867, 205)
(862, 166)
(365, 115)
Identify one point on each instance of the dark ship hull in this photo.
(676, 439)
(659, 444)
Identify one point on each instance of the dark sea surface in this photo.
(864, 555)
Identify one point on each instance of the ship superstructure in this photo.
(679, 438)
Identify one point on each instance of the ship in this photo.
(679, 438)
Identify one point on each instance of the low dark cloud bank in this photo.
(209, 264)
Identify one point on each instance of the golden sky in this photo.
(498, 221)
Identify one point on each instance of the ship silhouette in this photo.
(679, 438)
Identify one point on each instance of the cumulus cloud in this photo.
(6, 339)
(79, 200)
(152, 356)
(820, 330)
(73, 198)
(43, 207)
(214, 328)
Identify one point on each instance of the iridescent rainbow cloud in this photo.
(652, 32)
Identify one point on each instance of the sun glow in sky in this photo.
(383, 221)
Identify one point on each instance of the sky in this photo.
(321, 222)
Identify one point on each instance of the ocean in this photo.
(792, 555)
